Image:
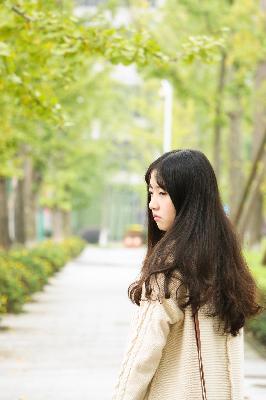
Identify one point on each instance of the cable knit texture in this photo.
(161, 360)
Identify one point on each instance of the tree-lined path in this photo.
(69, 342)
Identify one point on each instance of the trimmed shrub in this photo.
(25, 271)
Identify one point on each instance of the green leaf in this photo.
(4, 50)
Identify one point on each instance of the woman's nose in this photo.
(153, 204)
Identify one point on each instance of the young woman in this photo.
(194, 291)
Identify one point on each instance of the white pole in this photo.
(168, 105)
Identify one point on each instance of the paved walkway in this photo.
(69, 342)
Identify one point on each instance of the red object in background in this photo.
(132, 241)
(134, 236)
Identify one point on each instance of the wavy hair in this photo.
(201, 245)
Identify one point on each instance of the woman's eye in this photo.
(159, 193)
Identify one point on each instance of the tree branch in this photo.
(21, 14)
(252, 175)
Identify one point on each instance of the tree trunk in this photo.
(217, 118)
(256, 214)
(255, 222)
(25, 206)
(255, 176)
(19, 212)
(5, 241)
(264, 258)
(66, 216)
(57, 224)
(235, 160)
(256, 184)
(29, 202)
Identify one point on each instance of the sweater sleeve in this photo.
(149, 329)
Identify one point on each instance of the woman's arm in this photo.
(148, 334)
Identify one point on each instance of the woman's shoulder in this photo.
(157, 286)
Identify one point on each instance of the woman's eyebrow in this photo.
(150, 186)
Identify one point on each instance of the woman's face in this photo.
(161, 205)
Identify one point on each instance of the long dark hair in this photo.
(202, 244)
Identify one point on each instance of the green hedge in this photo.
(257, 325)
(25, 271)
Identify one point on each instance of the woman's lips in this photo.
(156, 218)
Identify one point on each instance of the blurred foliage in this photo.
(257, 325)
(49, 74)
(197, 94)
(57, 80)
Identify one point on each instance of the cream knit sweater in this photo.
(161, 359)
